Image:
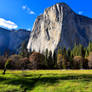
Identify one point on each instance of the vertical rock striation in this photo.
(58, 27)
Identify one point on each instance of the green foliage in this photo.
(86, 53)
(55, 59)
(50, 60)
(64, 62)
(89, 48)
(7, 64)
(78, 50)
(59, 61)
(23, 50)
(63, 59)
(64, 51)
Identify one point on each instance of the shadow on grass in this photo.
(28, 82)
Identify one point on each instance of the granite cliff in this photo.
(59, 26)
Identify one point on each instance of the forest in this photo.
(78, 57)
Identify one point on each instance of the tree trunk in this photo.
(4, 71)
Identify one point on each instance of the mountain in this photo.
(58, 27)
(12, 39)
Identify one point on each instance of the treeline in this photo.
(76, 58)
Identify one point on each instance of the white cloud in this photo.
(24, 7)
(31, 12)
(29, 29)
(80, 12)
(8, 24)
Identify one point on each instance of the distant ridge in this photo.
(12, 39)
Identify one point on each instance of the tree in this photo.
(82, 49)
(74, 50)
(24, 63)
(59, 60)
(46, 57)
(15, 61)
(64, 51)
(6, 65)
(59, 51)
(62, 59)
(2, 62)
(78, 50)
(90, 60)
(55, 59)
(70, 58)
(23, 50)
(6, 53)
(78, 62)
(89, 48)
(18, 62)
(50, 60)
(86, 53)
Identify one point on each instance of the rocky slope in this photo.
(59, 26)
(12, 40)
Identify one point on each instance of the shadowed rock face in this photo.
(59, 26)
(12, 40)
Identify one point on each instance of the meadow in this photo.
(46, 81)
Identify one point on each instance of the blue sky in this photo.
(22, 13)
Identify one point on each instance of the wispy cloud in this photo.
(23, 7)
(7, 23)
(80, 12)
(27, 9)
(29, 29)
(31, 12)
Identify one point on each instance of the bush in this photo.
(63, 62)
(59, 61)
(37, 60)
(18, 62)
(79, 62)
(90, 60)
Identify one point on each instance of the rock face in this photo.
(12, 40)
(58, 27)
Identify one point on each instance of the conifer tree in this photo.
(50, 60)
(23, 50)
(89, 48)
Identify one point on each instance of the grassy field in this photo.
(46, 81)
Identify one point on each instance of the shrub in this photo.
(37, 60)
(79, 62)
(59, 61)
(18, 62)
(63, 62)
(90, 60)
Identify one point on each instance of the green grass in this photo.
(46, 81)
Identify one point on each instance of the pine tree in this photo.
(86, 53)
(89, 47)
(46, 57)
(70, 58)
(23, 50)
(50, 60)
(59, 60)
(54, 59)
